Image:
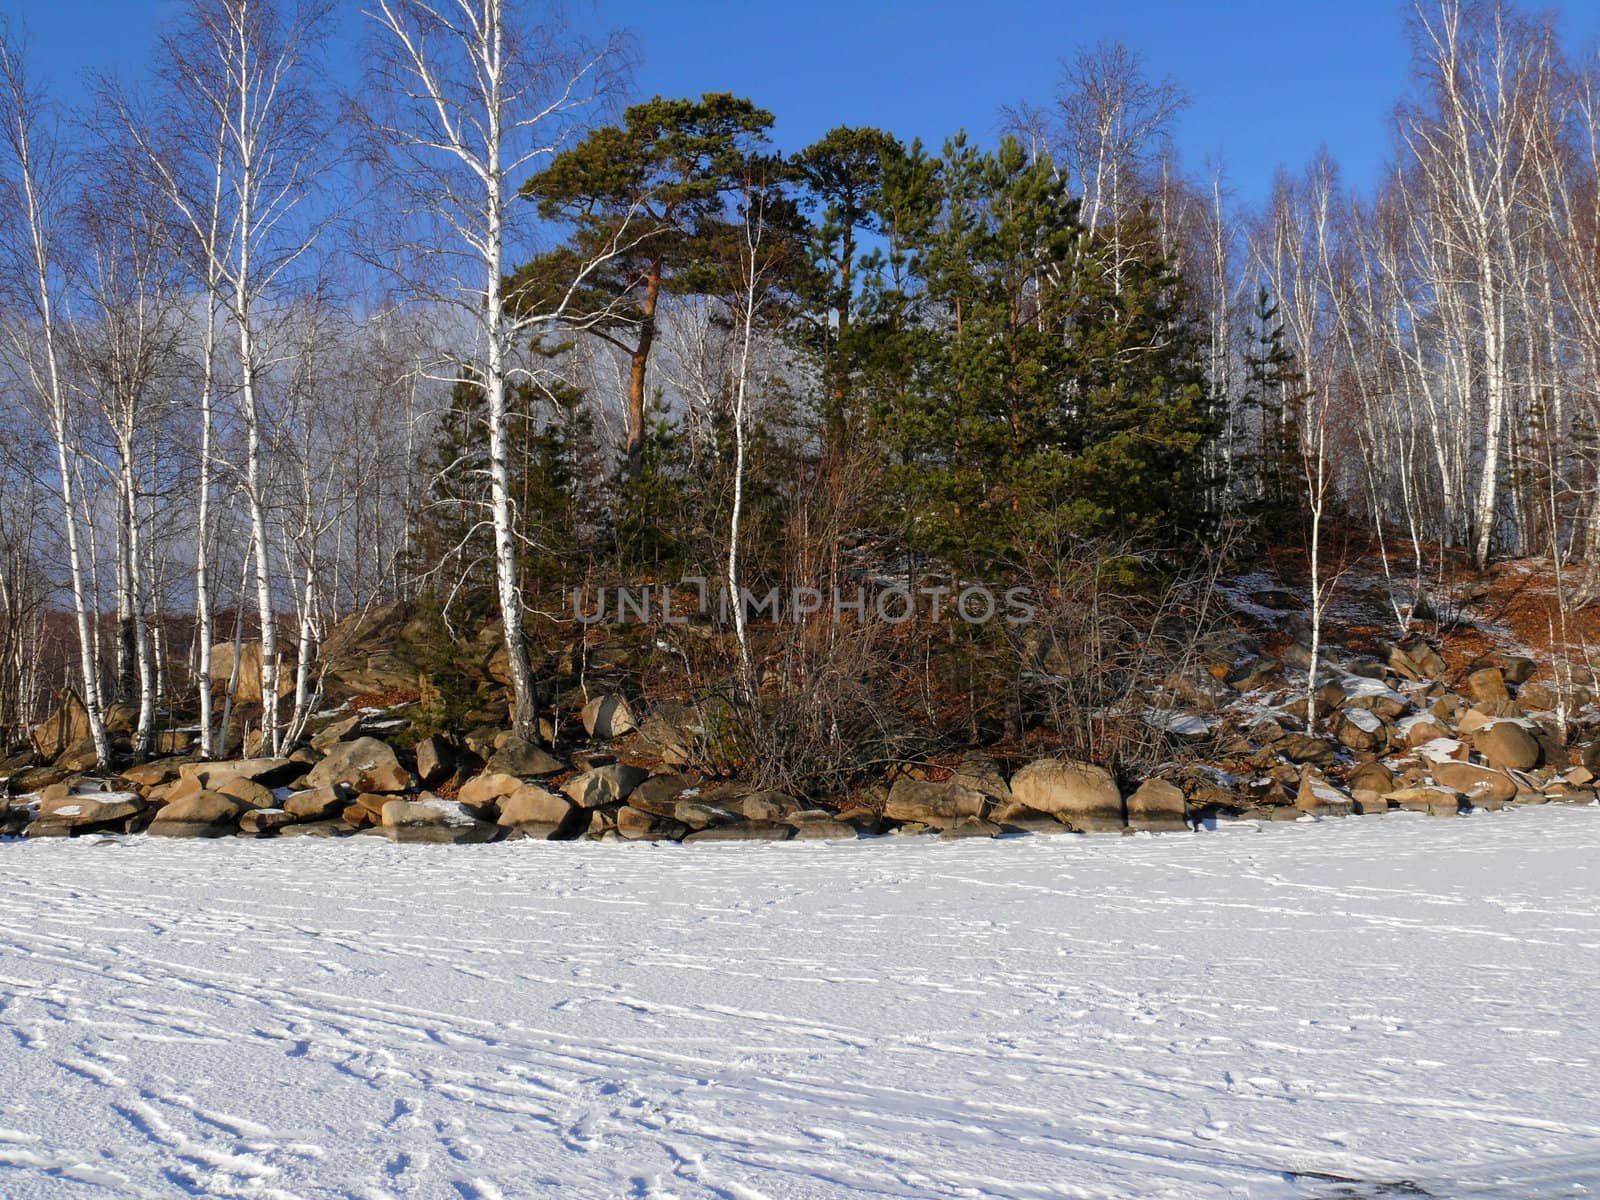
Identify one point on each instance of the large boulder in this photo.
(1158, 806)
(489, 788)
(252, 793)
(268, 772)
(1084, 796)
(265, 821)
(982, 774)
(605, 785)
(660, 794)
(436, 759)
(69, 724)
(203, 814)
(764, 806)
(637, 825)
(1435, 801)
(432, 820)
(1319, 797)
(1482, 786)
(938, 804)
(744, 831)
(1487, 686)
(1507, 745)
(533, 807)
(524, 759)
(364, 765)
(85, 812)
(367, 652)
(607, 717)
(334, 732)
(248, 689)
(317, 804)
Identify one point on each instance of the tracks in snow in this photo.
(1288, 1014)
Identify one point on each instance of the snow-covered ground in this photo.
(1399, 1006)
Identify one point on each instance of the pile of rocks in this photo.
(344, 783)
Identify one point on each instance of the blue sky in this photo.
(1270, 80)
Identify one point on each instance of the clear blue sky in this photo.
(1270, 80)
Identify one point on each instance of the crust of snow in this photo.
(1247, 1015)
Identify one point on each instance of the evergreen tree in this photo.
(1273, 402)
(652, 190)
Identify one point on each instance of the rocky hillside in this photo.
(1462, 719)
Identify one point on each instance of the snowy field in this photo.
(1394, 1007)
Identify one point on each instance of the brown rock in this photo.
(1481, 786)
(436, 759)
(941, 804)
(607, 717)
(260, 821)
(637, 825)
(524, 759)
(1084, 796)
(484, 790)
(316, 804)
(1157, 805)
(1507, 746)
(605, 785)
(364, 765)
(204, 814)
(248, 790)
(531, 804)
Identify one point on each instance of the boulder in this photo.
(1319, 797)
(939, 804)
(671, 731)
(248, 790)
(982, 774)
(62, 728)
(659, 794)
(81, 755)
(1158, 806)
(1436, 801)
(436, 759)
(1361, 729)
(330, 735)
(1082, 795)
(368, 651)
(364, 765)
(83, 812)
(605, 785)
(151, 774)
(1372, 776)
(637, 825)
(607, 717)
(1483, 787)
(533, 806)
(1303, 748)
(744, 831)
(317, 804)
(697, 814)
(1487, 686)
(431, 820)
(268, 772)
(263, 821)
(970, 827)
(828, 830)
(524, 759)
(765, 806)
(203, 814)
(1507, 746)
(488, 788)
(248, 689)
(316, 829)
